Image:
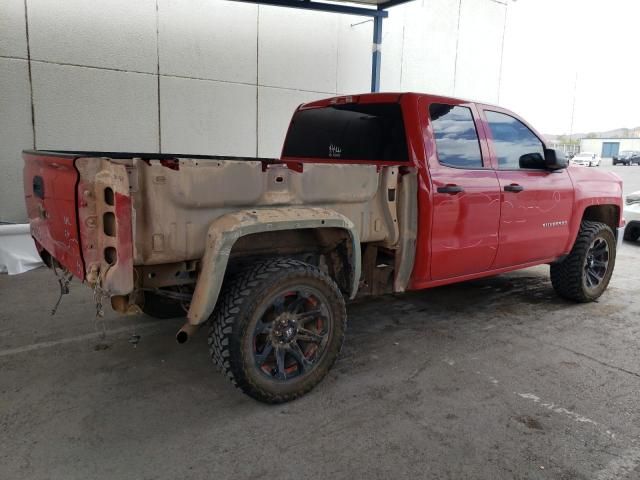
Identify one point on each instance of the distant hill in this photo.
(616, 133)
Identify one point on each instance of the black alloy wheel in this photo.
(291, 335)
(596, 263)
(277, 329)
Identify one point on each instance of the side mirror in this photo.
(532, 161)
(555, 159)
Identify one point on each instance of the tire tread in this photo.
(237, 292)
(566, 276)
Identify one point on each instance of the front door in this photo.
(536, 203)
(466, 195)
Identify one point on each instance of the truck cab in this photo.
(492, 196)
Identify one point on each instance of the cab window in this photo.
(456, 137)
(368, 132)
(514, 144)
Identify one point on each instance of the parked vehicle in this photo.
(627, 157)
(373, 194)
(586, 159)
(632, 215)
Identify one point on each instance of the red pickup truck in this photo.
(372, 194)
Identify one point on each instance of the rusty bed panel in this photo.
(172, 209)
(105, 220)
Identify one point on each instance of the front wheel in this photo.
(632, 232)
(585, 273)
(277, 329)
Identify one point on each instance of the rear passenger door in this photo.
(465, 193)
(536, 203)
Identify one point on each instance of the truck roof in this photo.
(383, 97)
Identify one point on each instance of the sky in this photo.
(555, 48)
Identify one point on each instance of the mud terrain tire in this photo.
(277, 329)
(585, 273)
(632, 232)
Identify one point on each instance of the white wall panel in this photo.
(231, 73)
(15, 136)
(78, 108)
(118, 34)
(208, 118)
(430, 47)
(212, 39)
(392, 50)
(355, 39)
(275, 108)
(13, 35)
(479, 50)
(297, 49)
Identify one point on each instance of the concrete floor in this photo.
(491, 379)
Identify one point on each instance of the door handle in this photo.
(514, 187)
(450, 189)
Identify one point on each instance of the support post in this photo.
(376, 56)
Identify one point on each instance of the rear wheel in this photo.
(585, 273)
(277, 329)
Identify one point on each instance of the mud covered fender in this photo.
(225, 230)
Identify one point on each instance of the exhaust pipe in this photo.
(186, 332)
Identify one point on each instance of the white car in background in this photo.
(632, 216)
(586, 159)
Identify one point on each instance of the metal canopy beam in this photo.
(377, 12)
(376, 55)
(391, 3)
(323, 7)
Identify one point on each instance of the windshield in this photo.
(584, 156)
(626, 153)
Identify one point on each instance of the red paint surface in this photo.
(120, 278)
(54, 223)
(485, 230)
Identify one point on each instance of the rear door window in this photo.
(456, 137)
(368, 132)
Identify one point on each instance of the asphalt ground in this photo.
(490, 379)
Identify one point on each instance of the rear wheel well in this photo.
(330, 249)
(607, 214)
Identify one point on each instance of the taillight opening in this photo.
(110, 255)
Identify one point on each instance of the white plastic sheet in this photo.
(18, 253)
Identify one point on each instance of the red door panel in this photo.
(465, 194)
(534, 223)
(536, 203)
(464, 236)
